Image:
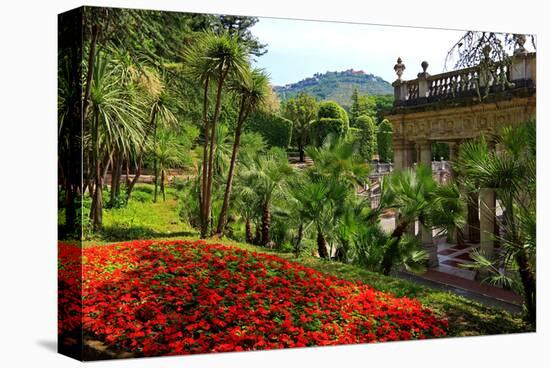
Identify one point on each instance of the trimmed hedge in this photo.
(320, 129)
(384, 137)
(366, 136)
(276, 130)
(331, 110)
(332, 119)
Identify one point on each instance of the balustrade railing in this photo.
(473, 81)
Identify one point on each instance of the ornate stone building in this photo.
(456, 106)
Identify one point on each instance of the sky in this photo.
(298, 49)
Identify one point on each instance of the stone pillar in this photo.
(487, 221)
(430, 248)
(403, 154)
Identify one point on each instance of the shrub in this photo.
(366, 137)
(142, 197)
(178, 183)
(276, 130)
(320, 129)
(330, 109)
(384, 138)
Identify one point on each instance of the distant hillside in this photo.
(336, 86)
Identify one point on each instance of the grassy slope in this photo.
(147, 220)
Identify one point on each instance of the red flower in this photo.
(181, 297)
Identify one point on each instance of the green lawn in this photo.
(148, 220)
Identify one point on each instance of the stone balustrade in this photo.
(519, 72)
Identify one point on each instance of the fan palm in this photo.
(414, 195)
(266, 176)
(340, 159)
(511, 172)
(318, 202)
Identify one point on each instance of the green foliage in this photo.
(360, 105)
(332, 110)
(332, 120)
(414, 195)
(384, 141)
(276, 130)
(325, 127)
(440, 151)
(511, 173)
(366, 136)
(301, 110)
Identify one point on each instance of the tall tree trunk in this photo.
(248, 231)
(89, 75)
(258, 235)
(392, 250)
(97, 205)
(208, 196)
(132, 183)
(115, 176)
(202, 190)
(155, 162)
(298, 240)
(236, 144)
(266, 224)
(301, 149)
(162, 178)
(321, 244)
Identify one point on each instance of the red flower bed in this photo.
(181, 297)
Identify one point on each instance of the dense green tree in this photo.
(366, 136)
(275, 129)
(360, 105)
(302, 111)
(332, 120)
(240, 27)
(384, 141)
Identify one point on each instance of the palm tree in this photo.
(160, 113)
(266, 176)
(340, 159)
(213, 58)
(252, 90)
(318, 202)
(167, 154)
(414, 195)
(511, 172)
(114, 123)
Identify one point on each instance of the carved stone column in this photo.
(426, 235)
(487, 221)
(403, 152)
